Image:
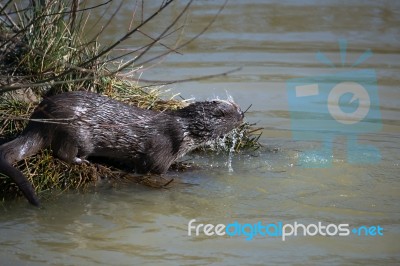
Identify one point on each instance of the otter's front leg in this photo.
(157, 158)
(148, 164)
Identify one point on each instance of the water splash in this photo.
(235, 135)
(227, 144)
(231, 153)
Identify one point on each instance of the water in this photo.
(272, 41)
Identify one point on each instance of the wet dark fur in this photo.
(76, 125)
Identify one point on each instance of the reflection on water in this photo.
(272, 41)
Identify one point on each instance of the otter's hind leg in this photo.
(67, 150)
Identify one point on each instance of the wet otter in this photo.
(75, 125)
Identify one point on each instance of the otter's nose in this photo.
(241, 113)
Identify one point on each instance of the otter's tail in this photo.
(27, 144)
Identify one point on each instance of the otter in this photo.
(76, 125)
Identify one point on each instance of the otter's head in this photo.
(211, 119)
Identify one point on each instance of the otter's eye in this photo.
(220, 112)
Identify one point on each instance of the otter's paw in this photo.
(79, 160)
